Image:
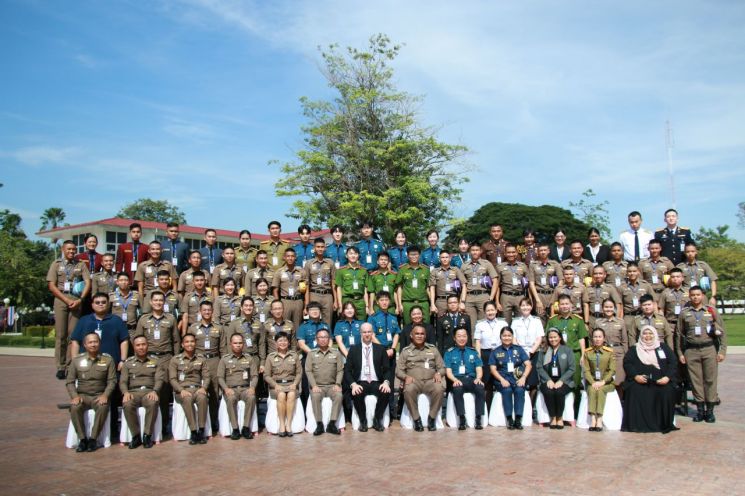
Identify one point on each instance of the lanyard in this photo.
(211, 256)
(462, 357)
(157, 323)
(554, 358)
(597, 360)
(697, 316)
(121, 302)
(69, 268)
(454, 317)
(91, 261)
(135, 248)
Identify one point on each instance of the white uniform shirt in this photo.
(487, 333)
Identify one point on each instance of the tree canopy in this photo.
(366, 156)
(152, 210)
(514, 219)
(594, 213)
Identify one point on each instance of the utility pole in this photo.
(669, 144)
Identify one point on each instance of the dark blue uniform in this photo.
(337, 253)
(399, 256)
(430, 257)
(385, 327)
(211, 257)
(513, 358)
(349, 332)
(369, 251)
(304, 253)
(462, 363)
(460, 259)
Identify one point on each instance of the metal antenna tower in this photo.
(670, 143)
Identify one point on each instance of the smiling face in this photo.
(506, 337)
(598, 338)
(647, 335)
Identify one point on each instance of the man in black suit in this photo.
(173, 250)
(367, 372)
(449, 323)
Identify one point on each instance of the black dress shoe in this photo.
(282, 434)
(560, 426)
(510, 424)
(289, 433)
(592, 429)
(61, 374)
(247, 433)
(136, 442)
(552, 426)
(194, 439)
(418, 425)
(462, 423)
(518, 422)
(147, 441)
(332, 429)
(378, 425)
(82, 446)
(319, 429)
(235, 435)
(478, 425)
(431, 426)
(363, 426)
(92, 445)
(202, 437)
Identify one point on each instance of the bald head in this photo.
(366, 331)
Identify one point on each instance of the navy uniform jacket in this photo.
(211, 257)
(673, 243)
(467, 357)
(178, 250)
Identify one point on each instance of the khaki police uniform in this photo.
(253, 275)
(617, 338)
(576, 293)
(147, 273)
(511, 290)
(594, 297)
(291, 284)
(186, 281)
(325, 370)
(582, 269)
(245, 258)
(671, 304)
(271, 329)
(421, 364)
(125, 307)
(442, 279)
(209, 337)
(276, 251)
(695, 340)
(89, 378)
(320, 275)
(170, 304)
(262, 307)
(615, 272)
(140, 377)
(190, 305)
(493, 252)
(103, 282)
(692, 273)
(283, 372)
(251, 330)
(64, 274)
(656, 320)
(655, 273)
(598, 364)
(241, 374)
(222, 272)
(630, 295)
(476, 293)
(190, 374)
(540, 275)
(227, 309)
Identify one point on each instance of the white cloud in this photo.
(44, 154)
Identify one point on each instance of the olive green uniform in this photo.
(64, 275)
(190, 374)
(421, 364)
(598, 365)
(413, 283)
(325, 370)
(353, 281)
(140, 377)
(241, 374)
(378, 281)
(695, 341)
(320, 276)
(90, 378)
(276, 251)
(573, 330)
(245, 258)
(617, 338)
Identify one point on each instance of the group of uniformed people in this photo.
(282, 320)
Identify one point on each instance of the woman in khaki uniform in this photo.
(283, 373)
(616, 337)
(599, 366)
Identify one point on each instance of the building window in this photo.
(194, 244)
(79, 240)
(114, 239)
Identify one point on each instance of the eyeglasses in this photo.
(100, 302)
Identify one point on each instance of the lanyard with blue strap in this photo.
(122, 302)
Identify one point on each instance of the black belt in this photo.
(321, 291)
(659, 290)
(597, 315)
(633, 312)
(284, 381)
(616, 344)
(141, 388)
(191, 386)
(512, 293)
(159, 353)
(698, 346)
(415, 301)
(210, 355)
(477, 292)
(292, 297)
(545, 291)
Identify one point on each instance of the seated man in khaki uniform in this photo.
(141, 382)
(237, 375)
(324, 368)
(421, 368)
(91, 379)
(190, 380)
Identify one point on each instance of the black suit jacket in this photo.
(446, 331)
(554, 254)
(353, 367)
(603, 255)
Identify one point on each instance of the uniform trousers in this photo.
(77, 415)
(139, 399)
(702, 371)
(199, 399)
(431, 389)
(231, 402)
(468, 387)
(326, 391)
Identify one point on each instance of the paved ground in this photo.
(699, 459)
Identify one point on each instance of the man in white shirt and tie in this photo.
(367, 372)
(636, 239)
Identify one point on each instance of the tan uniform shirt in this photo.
(319, 275)
(276, 252)
(664, 332)
(540, 274)
(65, 274)
(282, 369)
(442, 280)
(696, 327)
(125, 308)
(692, 273)
(209, 338)
(253, 275)
(510, 277)
(494, 252)
(672, 302)
(91, 376)
(186, 280)
(475, 271)
(246, 259)
(582, 269)
(420, 363)
(190, 305)
(615, 334)
(271, 328)
(615, 273)
(147, 273)
(137, 374)
(576, 292)
(162, 334)
(227, 309)
(250, 329)
(186, 372)
(262, 307)
(324, 368)
(595, 295)
(170, 305)
(288, 281)
(223, 272)
(654, 272)
(631, 293)
(103, 282)
(238, 371)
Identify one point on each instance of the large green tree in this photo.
(10, 222)
(366, 156)
(594, 213)
(515, 218)
(152, 210)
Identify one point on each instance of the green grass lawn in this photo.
(735, 328)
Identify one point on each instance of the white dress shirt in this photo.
(365, 349)
(627, 241)
(487, 333)
(527, 331)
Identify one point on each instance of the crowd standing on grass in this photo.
(534, 322)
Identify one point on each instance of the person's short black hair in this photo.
(247, 298)
(234, 335)
(654, 241)
(209, 230)
(313, 304)
(120, 274)
(157, 292)
(337, 228)
(290, 250)
(245, 231)
(100, 294)
(274, 223)
(695, 288)
(172, 224)
(634, 213)
(303, 227)
(354, 249)
(134, 225)
(670, 210)
(154, 242)
(413, 249)
(319, 241)
(675, 270)
(691, 243)
(632, 264)
(433, 231)
(564, 297)
(645, 298)
(616, 243)
(576, 241)
(281, 334)
(198, 273)
(383, 294)
(206, 303)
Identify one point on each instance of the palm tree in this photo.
(51, 219)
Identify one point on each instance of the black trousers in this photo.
(468, 387)
(373, 388)
(554, 399)
(487, 378)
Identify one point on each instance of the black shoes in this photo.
(709, 415)
(518, 422)
(202, 437)
(478, 425)
(194, 439)
(235, 435)
(418, 425)
(92, 445)
(61, 374)
(363, 425)
(136, 442)
(82, 446)
(147, 441)
(700, 414)
(282, 434)
(431, 426)
(319, 429)
(332, 429)
(378, 425)
(247, 433)
(510, 424)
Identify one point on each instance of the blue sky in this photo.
(106, 102)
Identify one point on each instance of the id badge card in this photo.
(174, 261)
(564, 336)
(212, 269)
(156, 334)
(515, 281)
(385, 287)
(84, 362)
(355, 284)
(655, 279)
(554, 371)
(426, 364)
(367, 370)
(124, 316)
(351, 340)
(597, 375)
(597, 307)
(290, 291)
(618, 281)
(415, 283)
(133, 266)
(697, 330)
(576, 279)
(337, 264)
(474, 281)
(677, 310)
(166, 307)
(499, 260)
(275, 260)
(245, 268)
(67, 286)
(155, 282)
(232, 317)
(181, 376)
(262, 318)
(368, 258)
(245, 375)
(661, 353)
(319, 280)
(510, 367)
(249, 342)
(207, 344)
(304, 262)
(635, 302)
(461, 369)
(199, 317)
(388, 336)
(543, 280)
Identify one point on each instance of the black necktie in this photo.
(636, 246)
